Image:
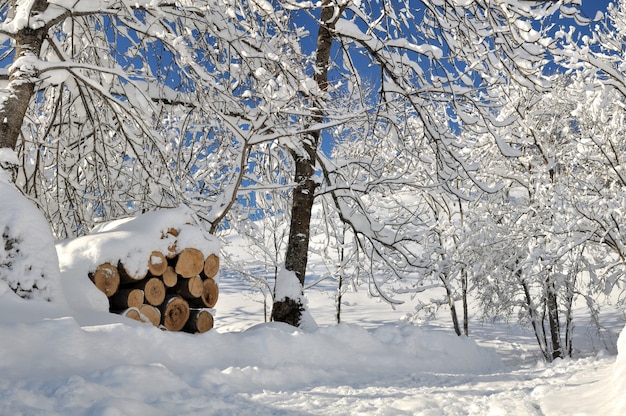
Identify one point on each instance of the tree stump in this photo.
(190, 262)
(174, 313)
(106, 278)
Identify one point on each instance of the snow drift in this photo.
(28, 262)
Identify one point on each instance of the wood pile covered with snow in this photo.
(174, 292)
(156, 268)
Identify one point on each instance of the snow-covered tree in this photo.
(122, 106)
(104, 129)
(441, 60)
(536, 244)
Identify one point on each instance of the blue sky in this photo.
(591, 6)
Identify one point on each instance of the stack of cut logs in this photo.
(174, 294)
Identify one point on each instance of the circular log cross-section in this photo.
(133, 314)
(106, 278)
(210, 293)
(190, 262)
(169, 277)
(175, 313)
(154, 291)
(152, 314)
(157, 263)
(199, 321)
(211, 266)
(126, 298)
(189, 288)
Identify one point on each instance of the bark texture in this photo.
(22, 78)
(290, 310)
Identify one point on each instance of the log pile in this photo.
(174, 294)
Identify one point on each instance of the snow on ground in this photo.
(56, 359)
(56, 366)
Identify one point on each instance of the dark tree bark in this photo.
(22, 80)
(553, 319)
(290, 310)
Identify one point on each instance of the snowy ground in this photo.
(55, 364)
(68, 357)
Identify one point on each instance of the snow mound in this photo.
(266, 356)
(131, 241)
(28, 261)
(619, 376)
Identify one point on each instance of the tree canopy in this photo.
(433, 135)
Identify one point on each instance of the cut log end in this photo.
(189, 288)
(199, 321)
(126, 298)
(157, 263)
(169, 277)
(127, 276)
(152, 314)
(211, 266)
(133, 314)
(154, 291)
(175, 313)
(106, 278)
(210, 293)
(190, 262)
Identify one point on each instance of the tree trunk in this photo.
(553, 319)
(287, 309)
(465, 305)
(451, 304)
(22, 78)
(534, 320)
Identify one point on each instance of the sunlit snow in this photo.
(59, 359)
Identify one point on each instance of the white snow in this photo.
(24, 230)
(61, 359)
(129, 240)
(287, 286)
